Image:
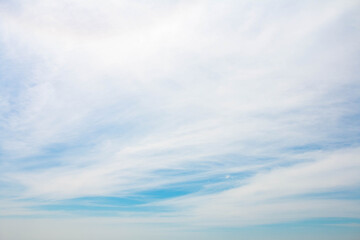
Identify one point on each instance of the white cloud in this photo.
(126, 89)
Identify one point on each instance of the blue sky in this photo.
(179, 119)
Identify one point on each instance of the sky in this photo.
(231, 119)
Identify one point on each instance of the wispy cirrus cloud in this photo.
(244, 108)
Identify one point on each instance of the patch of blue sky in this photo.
(352, 119)
(141, 201)
(133, 202)
(176, 172)
(218, 168)
(199, 186)
(109, 200)
(211, 170)
(230, 158)
(316, 228)
(172, 190)
(343, 193)
(349, 136)
(101, 206)
(36, 162)
(9, 188)
(350, 133)
(305, 148)
(51, 156)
